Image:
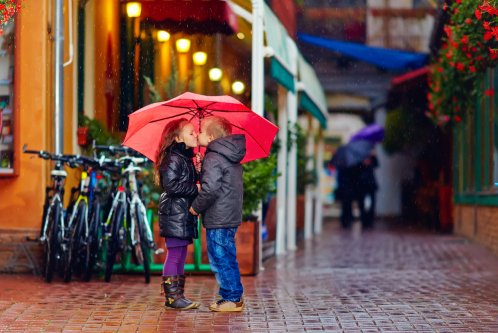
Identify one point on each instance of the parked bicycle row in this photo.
(105, 220)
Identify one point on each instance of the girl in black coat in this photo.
(176, 174)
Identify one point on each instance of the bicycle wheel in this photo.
(75, 242)
(94, 241)
(114, 241)
(52, 240)
(142, 249)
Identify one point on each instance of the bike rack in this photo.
(127, 266)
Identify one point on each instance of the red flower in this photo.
(458, 1)
(460, 66)
(464, 39)
(486, 25)
(478, 14)
(486, 7)
(472, 69)
(488, 35)
(458, 119)
(489, 92)
(468, 21)
(493, 53)
(447, 30)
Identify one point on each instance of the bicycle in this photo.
(127, 206)
(84, 222)
(52, 232)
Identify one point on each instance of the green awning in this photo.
(312, 98)
(279, 73)
(277, 39)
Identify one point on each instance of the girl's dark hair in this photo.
(170, 132)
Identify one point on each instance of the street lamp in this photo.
(133, 9)
(183, 45)
(200, 58)
(238, 87)
(215, 74)
(163, 36)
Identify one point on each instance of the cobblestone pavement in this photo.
(385, 280)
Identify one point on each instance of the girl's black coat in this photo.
(178, 180)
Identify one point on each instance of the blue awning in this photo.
(381, 57)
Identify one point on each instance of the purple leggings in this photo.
(175, 260)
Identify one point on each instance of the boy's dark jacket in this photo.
(221, 194)
(178, 181)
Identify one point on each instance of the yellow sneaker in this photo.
(227, 306)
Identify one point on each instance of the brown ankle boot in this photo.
(181, 286)
(174, 298)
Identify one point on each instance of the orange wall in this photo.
(21, 197)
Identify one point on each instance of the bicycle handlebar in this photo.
(48, 156)
(116, 149)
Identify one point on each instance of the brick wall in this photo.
(17, 254)
(479, 223)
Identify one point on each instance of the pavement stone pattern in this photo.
(390, 279)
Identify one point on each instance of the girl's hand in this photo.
(198, 187)
(198, 162)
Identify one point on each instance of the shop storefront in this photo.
(476, 169)
(118, 57)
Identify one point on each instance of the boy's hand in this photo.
(192, 211)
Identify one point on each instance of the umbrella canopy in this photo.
(351, 154)
(374, 133)
(146, 125)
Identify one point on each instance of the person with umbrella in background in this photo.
(355, 165)
(367, 184)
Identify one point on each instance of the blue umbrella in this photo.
(351, 154)
(374, 133)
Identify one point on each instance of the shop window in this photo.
(7, 115)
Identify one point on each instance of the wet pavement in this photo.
(390, 279)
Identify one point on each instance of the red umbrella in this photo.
(146, 125)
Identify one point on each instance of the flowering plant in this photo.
(8, 8)
(470, 46)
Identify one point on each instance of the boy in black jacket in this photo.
(220, 202)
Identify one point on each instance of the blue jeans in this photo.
(223, 260)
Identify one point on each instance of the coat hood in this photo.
(233, 147)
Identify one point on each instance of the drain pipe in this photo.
(59, 78)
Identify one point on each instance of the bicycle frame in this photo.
(132, 198)
(58, 175)
(136, 201)
(83, 196)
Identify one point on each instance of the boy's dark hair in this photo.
(218, 127)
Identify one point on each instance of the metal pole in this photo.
(59, 78)
(258, 86)
(292, 158)
(308, 195)
(280, 245)
(318, 189)
(257, 83)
